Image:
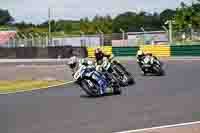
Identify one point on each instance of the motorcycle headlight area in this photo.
(146, 60)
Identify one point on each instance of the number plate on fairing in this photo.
(106, 65)
(77, 76)
(90, 83)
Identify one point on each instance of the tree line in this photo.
(184, 16)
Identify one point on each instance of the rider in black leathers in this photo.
(99, 55)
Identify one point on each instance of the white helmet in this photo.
(73, 62)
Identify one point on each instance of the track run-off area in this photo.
(153, 101)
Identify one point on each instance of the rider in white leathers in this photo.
(75, 63)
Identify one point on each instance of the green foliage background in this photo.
(184, 16)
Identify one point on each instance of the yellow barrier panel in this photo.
(157, 50)
(106, 49)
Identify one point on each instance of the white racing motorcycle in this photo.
(152, 65)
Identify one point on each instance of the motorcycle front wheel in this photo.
(114, 84)
(124, 77)
(159, 71)
(90, 88)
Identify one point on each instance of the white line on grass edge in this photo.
(160, 127)
(33, 89)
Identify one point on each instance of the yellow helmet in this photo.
(140, 52)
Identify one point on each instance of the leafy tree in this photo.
(102, 23)
(131, 21)
(188, 15)
(126, 21)
(68, 27)
(5, 17)
(167, 14)
(85, 25)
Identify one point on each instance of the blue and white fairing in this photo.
(90, 72)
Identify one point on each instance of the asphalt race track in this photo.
(152, 101)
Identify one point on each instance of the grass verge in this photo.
(26, 85)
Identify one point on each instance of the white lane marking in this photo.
(160, 127)
(41, 66)
(28, 90)
(31, 60)
(192, 59)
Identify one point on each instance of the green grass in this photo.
(26, 85)
(196, 115)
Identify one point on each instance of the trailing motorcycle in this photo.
(117, 71)
(152, 65)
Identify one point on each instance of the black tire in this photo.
(94, 92)
(158, 67)
(120, 76)
(117, 91)
(131, 80)
(162, 72)
(113, 83)
(129, 75)
(113, 80)
(144, 73)
(116, 85)
(125, 77)
(159, 71)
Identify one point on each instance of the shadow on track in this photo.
(92, 97)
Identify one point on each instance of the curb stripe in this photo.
(20, 91)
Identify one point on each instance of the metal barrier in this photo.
(182, 36)
(48, 52)
(115, 39)
(123, 39)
